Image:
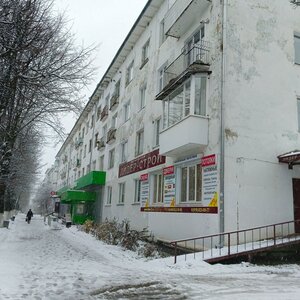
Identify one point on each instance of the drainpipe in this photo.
(93, 134)
(222, 127)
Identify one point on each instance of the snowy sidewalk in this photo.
(39, 263)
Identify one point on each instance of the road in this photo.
(37, 263)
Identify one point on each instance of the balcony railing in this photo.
(101, 144)
(114, 101)
(104, 113)
(189, 62)
(111, 135)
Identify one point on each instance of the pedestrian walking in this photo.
(29, 216)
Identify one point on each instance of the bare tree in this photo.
(41, 73)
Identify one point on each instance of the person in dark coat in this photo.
(29, 216)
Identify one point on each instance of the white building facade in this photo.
(190, 117)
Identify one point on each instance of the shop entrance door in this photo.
(296, 192)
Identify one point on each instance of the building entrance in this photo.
(296, 193)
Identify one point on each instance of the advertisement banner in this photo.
(209, 181)
(169, 186)
(144, 192)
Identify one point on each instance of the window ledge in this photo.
(120, 204)
(107, 205)
(136, 203)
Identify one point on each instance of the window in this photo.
(121, 193)
(191, 183)
(158, 188)
(84, 152)
(92, 121)
(104, 131)
(82, 171)
(96, 139)
(101, 163)
(137, 193)
(162, 34)
(139, 142)
(161, 77)
(191, 52)
(127, 111)
(145, 53)
(114, 121)
(156, 132)
(94, 165)
(117, 88)
(88, 168)
(129, 73)
(90, 145)
(200, 95)
(111, 158)
(298, 108)
(108, 195)
(83, 132)
(107, 100)
(297, 48)
(124, 151)
(143, 96)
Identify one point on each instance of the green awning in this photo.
(91, 179)
(73, 196)
(62, 190)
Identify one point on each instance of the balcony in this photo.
(187, 137)
(104, 113)
(114, 101)
(101, 144)
(111, 136)
(190, 61)
(183, 14)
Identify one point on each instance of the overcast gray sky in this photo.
(97, 22)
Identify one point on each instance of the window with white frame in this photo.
(156, 132)
(114, 121)
(84, 151)
(137, 191)
(143, 96)
(117, 88)
(192, 52)
(158, 182)
(108, 195)
(298, 109)
(162, 34)
(107, 100)
(94, 165)
(161, 77)
(126, 111)
(88, 168)
(111, 158)
(129, 73)
(92, 121)
(139, 147)
(145, 52)
(83, 172)
(124, 151)
(104, 131)
(297, 47)
(191, 183)
(96, 139)
(122, 193)
(182, 102)
(90, 145)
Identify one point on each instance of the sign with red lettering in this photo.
(168, 170)
(141, 163)
(144, 177)
(209, 160)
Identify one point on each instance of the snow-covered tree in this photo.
(41, 74)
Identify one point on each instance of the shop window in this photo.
(158, 182)
(137, 194)
(79, 209)
(191, 183)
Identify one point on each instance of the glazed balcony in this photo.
(183, 14)
(189, 62)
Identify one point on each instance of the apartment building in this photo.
(193, 128)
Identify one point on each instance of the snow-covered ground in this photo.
(37, 262)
